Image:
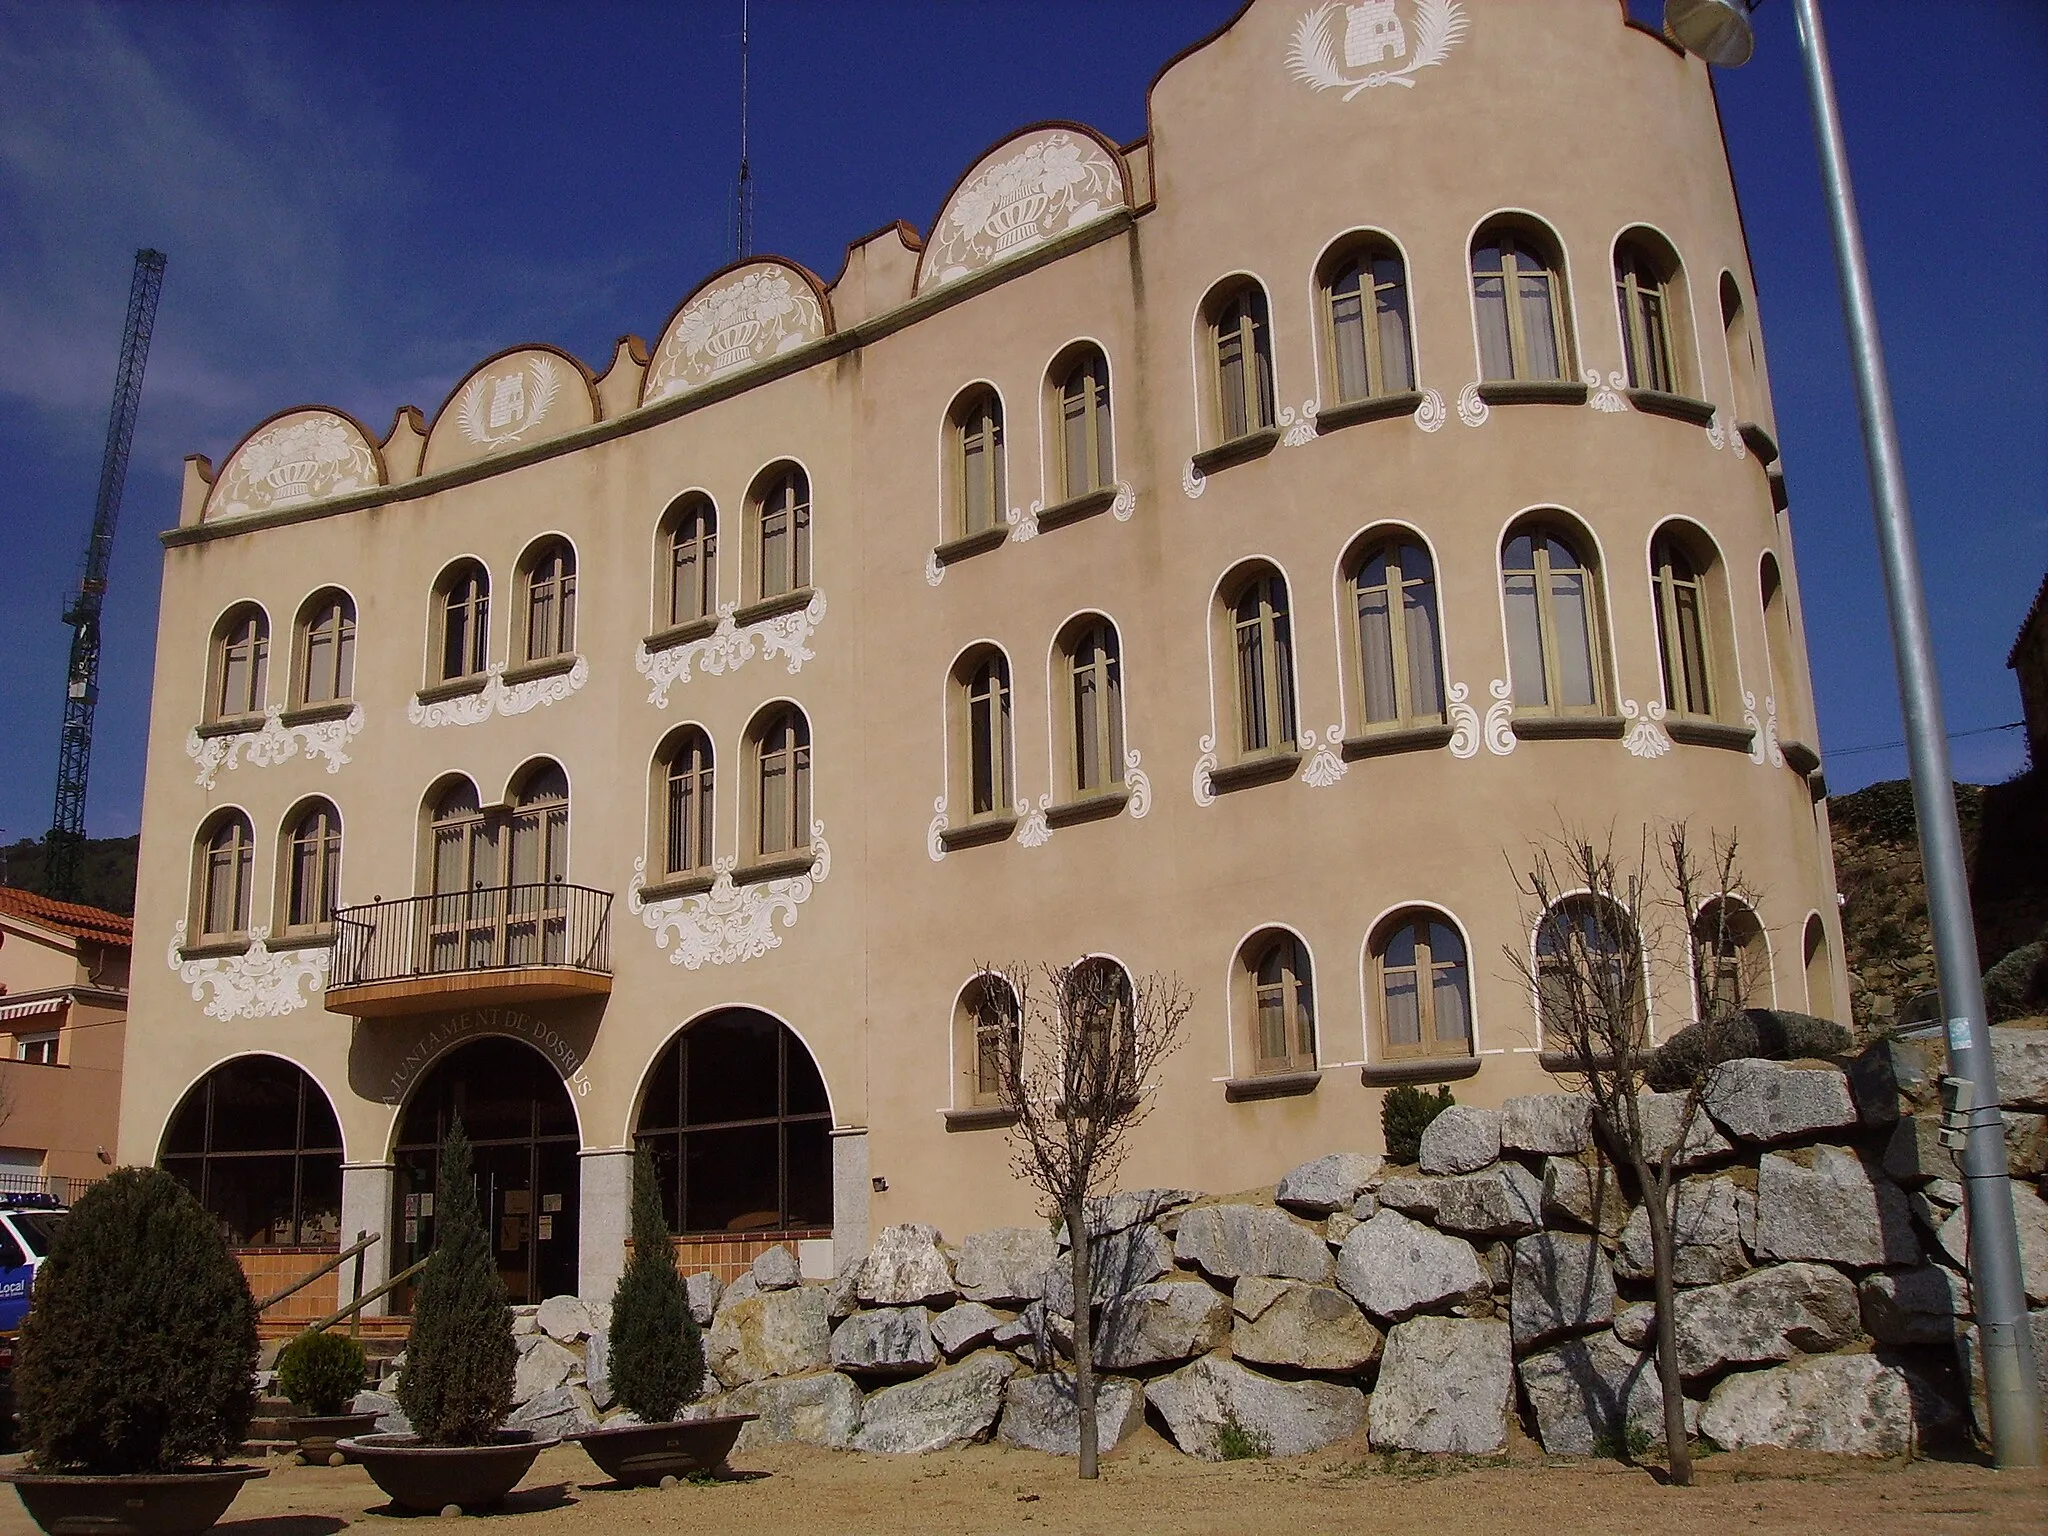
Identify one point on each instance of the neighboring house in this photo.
(63, 1019)
(1215, 554)
(2029, 659)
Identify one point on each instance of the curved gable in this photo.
(737, 317)
(305, 454)
(1035, 185)
(521, 396)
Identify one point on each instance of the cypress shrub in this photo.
(460, 1360)
(321, 1371)
(656, 1353)
(139, 1353)
(1405, 1114)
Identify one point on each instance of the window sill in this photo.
(1253, 445)
(1661, 402)
(981, 1117)
(680, 634)
(546, 666)
(232, 725)
(777, 867)
(53, 1066)
(1423, 1069)
(1532, 392)
(1799, 757)
(1074, 508)
(1780, 497)
(1413, 738)
(1270, 1085)
(984, 829)
(770, 607)
(681, 885)
(1759, 442)
(1349, 413)
(1710, 733)
(1109, 802)
(973, 544)
(305, 938)
(1267, 768)
(209, 949)
(453, 688)
(1569, 727)
(313, 714)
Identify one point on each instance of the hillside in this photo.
(106, 871)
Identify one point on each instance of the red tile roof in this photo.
(81, 922)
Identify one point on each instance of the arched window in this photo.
(1820, 970)
(1551, 599)
(782, 533)
(257, 1142)
(985, 1025)
(690, 561)
(983, 731)
(1732, 963)
(1678, 588)
(1783, 658)
(1745, 369)
(540, 826)
(1086, 445)
(1263, 658)
(327, 642)
(549, 574)
(782, 783)
(1278, 1002)
(1365, 312)
(241, 663)
(1589, 973)
(685, 772)
(1095, 714)
(975, 470)
(463, 621)
(466, 915)
(313, 882)
(1518, 289)
(227, 865)
(1400, 643)
(1422, 987)
(736, 1116)
(1104, 1005)
(1651, 300)
(1241, 361)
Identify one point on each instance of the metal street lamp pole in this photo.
(1997, 1292)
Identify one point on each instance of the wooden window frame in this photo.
(1518, 245)
(1252, 336)
(464, 594)
(1291, 993)
(1406, 714)
(1271, 631)
(979, 1046)
(547, 579)
(1427, 1046)
(321, 845)
(690, 761)
(226, 850)
(997, 700)
(1737, 953)
(1562, 908)
(329, 622)
(1082, 393)
(974, 430)
(242, 640)
(1646, 294)
(690, 539)
(1102, 679)
(778, 576)
(1360, 262)
(1690, 665)
(781, 743)
(1540, 534)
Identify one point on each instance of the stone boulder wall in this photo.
(1040, 1414)
(1214, 1400)
(1226, 1241)
(1444, 1385)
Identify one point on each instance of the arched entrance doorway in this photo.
(519, 1118)
(737, 1118)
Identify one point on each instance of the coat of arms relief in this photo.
(1376, 46)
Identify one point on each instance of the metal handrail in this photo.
(363, 1241)
(489, 928)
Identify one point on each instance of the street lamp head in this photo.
(1716, 30)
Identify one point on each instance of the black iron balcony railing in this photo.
(491, 928)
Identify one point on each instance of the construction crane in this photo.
(82, 678)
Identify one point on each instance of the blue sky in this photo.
(360, 201)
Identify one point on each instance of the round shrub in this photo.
(321, 1371)
(1405, 1114)
(1776, 1034)
(2017, 987)
(657, 1356)
(460, 1360)
(139, 1353)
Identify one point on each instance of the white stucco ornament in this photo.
(1375, 47)
(1469, 732)
(502, 405)
(1023, 194)
(498, 697)
(1646, 736)
(731, 646)
(1325, 765)
(743, 318)
(730, 923)
(259, 983)
(304, 457)
(273, 742)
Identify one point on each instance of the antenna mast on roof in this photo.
(743, 210)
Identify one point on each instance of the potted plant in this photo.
(459, 1362)
(321, 1374)
(135, 1376)
(657, 1362)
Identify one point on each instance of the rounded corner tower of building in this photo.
(1220, 554)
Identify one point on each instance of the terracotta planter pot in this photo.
(317, 1434)
(434, 1477)
(134, 1504)
(649, 1454)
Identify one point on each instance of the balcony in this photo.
(463, 949)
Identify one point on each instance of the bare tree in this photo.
(1603, 923)
(1076, 1049)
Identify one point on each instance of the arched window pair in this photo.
(325, 670)
(777, 748)
(778, 542)
(987, 1021)
(1081, 450)
(309, 883)
(496, 874)
(1591, 967)
(545, 621)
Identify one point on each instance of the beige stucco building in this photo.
(1218, 554)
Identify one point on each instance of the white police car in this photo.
(27, 1223)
